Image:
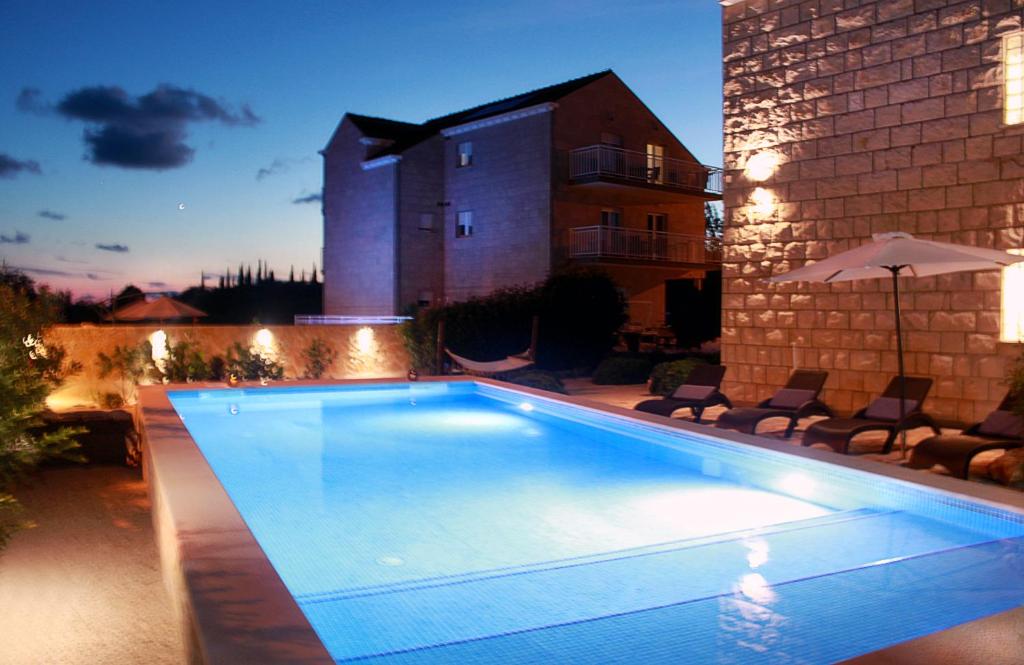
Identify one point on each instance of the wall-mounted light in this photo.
(365, 341)
(1011, 328)
(762, 166)
(763, 202)
(1013, 78)
(159, 351)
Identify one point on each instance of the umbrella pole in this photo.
(899, 355)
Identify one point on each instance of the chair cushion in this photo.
(688, 391)
(1002, 423)
(790, 398)
(888, 408)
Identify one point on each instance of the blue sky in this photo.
(298, 67)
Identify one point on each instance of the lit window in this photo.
(1012, 324)
(655, 162)
(464, 154)
(426, 221)
(464, 224)
(1013, 78)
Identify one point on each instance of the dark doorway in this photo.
(693, 308)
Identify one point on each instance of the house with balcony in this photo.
(499, 195)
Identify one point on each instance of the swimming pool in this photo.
(465, 522)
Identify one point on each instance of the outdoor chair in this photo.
(795, 400)
(883, 414)
(1001, 430)
(698, 392)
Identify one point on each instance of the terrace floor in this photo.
(628, 396)
(84, 585)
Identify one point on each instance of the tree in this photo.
(714, 226)
(29, 370)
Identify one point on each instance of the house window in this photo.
(426, 221)
(657, 221)
(464, 224)
(1013, 78)
(611, 217)
(464, 154)
(655, 162)
(425, 299)
(1011, 327)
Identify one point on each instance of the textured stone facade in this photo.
(887, 116)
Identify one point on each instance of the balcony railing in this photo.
(598, 161)
(617, 242)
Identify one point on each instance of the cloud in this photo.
(49, 214)
(64, 259)
(138, 132)
(113, 247)
(28, 102)
(18, 238)
(315, 197)
(278, 166)
(156, 285)
(10, 167)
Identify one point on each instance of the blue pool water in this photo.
(471, 524)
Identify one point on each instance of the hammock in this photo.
(509, 364)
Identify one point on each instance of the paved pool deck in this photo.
(629, 395)
(84, 586)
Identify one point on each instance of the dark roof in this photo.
(405, 135)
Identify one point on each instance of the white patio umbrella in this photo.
(892, 255)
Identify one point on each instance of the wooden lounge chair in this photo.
(698, 392)
(795, 400)
(883, 414)
(1001, 430)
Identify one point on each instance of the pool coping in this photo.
(233, 607)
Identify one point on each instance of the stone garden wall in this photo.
(379, 353)
(884, 116)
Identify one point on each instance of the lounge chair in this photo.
(883, 414)
(698, 392)
(1001, 430)
(795, 400)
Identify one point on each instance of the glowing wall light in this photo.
(364, 353)
(1011, 328)
(762, 166)
(159, 351)
(366, 341)
(263, 343)
(762, 202)
(1013, 78)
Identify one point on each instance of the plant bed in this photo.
(109, 437)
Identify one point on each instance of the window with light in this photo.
(1013, 78)
(1012, 325)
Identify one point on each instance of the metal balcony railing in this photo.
(618, 242)
(596, 161)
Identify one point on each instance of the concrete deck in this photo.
(84, 585)
(629, 395)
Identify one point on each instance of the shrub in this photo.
(621, 370)
(185, 363)
(29, 371)
(248, 364)
(666, 377)
(129, 365)
(539, 379)
(580, 315)
(319, 357)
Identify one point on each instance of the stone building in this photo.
(500, 194)
(845, 118)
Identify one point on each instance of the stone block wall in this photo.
(886, 116)
(383, 354)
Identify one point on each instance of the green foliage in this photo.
(319, 357)
(579, 313)
(666, 377)
(620, 370)
(29, 370)
(129, 365)
(185, 363)
(248, 364)
(539, 379)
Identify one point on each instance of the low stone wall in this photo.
(375, 354)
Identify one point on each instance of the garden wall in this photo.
(375, 354)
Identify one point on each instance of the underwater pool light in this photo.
(526, 406)
(798, 484)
